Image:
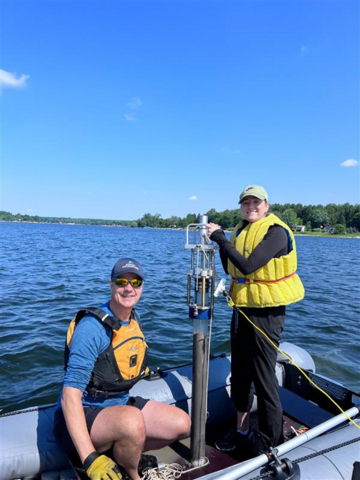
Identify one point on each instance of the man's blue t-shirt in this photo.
(89, 340)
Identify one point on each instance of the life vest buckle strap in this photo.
(240, 280)
(93, 391)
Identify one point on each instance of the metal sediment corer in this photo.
(201, 276)
(200, 295)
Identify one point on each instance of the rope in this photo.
(169, 471)
(326, 450)
(232, 305)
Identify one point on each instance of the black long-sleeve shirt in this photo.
(274, 244)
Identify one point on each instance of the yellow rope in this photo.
(232, 304)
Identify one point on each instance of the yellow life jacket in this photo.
(274, 284)
(123, 363)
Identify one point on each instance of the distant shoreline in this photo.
(309, 234)
(340, 220)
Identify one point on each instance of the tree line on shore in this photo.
(343, 218)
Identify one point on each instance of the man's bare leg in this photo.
(123, 428)
(164, 424)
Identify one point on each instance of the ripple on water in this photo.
(68, 267)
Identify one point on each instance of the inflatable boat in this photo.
(329, 448)
(321, 417)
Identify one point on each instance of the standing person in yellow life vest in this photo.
(105, 354)
(261, 259)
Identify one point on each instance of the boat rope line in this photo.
(314, 455)
(326, 450)
(169, 471)
(28, 410)
(233, 305)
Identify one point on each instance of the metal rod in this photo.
(212, 293)
(203, 304)
(188, 288)
(198, 402)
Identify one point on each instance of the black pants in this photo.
(253, 361)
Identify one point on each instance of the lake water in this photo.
(48, 272)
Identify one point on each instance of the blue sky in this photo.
(113, 109)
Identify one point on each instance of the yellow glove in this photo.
(100, 467)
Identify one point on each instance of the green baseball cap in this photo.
(254, 191)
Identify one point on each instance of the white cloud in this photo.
(29, 210)
(193, 197)
(303, 50)
(351, 162)
(134, 102)
(10, 80)
(130, 117)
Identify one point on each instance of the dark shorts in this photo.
(61, 433)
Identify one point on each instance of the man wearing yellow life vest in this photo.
(105, 354)
(261, 259)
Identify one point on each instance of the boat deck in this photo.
(179, 453)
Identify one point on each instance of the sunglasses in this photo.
(123, 282)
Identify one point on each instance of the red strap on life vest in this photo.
(247, 281)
